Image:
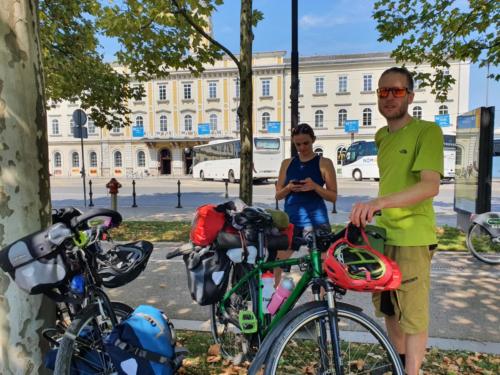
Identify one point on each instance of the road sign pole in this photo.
(80, 118)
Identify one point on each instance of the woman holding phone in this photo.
(305, 182)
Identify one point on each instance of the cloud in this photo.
(343, 12)
(312, 21)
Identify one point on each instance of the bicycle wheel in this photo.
(235, 344)
(81, 349)
(481, 245)
(304, 346)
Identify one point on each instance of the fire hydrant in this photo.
(113, 185)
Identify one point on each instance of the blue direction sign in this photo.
(442, 120)
(274, 127)
(79, 117)
(351, 126)
(137, 131)
(204, 129)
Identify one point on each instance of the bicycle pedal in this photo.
(248, 322)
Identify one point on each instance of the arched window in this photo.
(213, 123)
(163, 123)
(141, 159)
(118, 159)
(188, 123)
(367, 117)
(139, 122)
(75, 160)
(342, 117)
(318, 118)
(93, 159)
(91, 126)
(443, 109)
(266, 117)
(417, 112)
(55, 126)
(57, 160)
(318, 151)
(341, 151)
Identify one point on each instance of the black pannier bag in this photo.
(274, 241)
(35, 262)
(208, 275)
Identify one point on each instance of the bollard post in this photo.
(133, 194)
(334, 208)
(113, 185)
(91, 203)
(178, 194)
(227, 193)
(275, 184)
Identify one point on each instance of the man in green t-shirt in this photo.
(410, 161)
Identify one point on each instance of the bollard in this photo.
(334, 208)
(178, 194)
(91, 203)
(133, 194)
(227, 193)
(113, 185)
(275, 184)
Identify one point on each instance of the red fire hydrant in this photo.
(113, 185)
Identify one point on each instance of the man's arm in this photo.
(427, 187)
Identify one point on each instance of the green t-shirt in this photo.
(401, 156)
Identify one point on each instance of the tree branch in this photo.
(200, 30)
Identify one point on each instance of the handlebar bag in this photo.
(36, 262)
(208, 221)
(208, 275)
(143, 343)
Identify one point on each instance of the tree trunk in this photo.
(24, 180)
(246, 102)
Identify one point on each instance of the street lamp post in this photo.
(294, 89)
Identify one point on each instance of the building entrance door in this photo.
(188, 161)
(165, 161)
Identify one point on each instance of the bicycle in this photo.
(483, 237)
(240, 321)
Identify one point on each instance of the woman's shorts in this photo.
(305, 232)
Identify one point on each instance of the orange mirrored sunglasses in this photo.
(397, 92)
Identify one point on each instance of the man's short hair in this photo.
(403, 71)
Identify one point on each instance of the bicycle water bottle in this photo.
(77, 284)
(267, 289)
(282, 293)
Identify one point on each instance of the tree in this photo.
(24, 179)
(248, 18)
(436, 32)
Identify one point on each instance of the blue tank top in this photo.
(305, 209)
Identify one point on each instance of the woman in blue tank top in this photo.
(305, 182)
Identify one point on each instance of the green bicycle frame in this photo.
(313, 270)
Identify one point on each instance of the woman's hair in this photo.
(303, 129)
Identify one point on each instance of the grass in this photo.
(449, 238)
(204, 358)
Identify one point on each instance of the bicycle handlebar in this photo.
(115, 217)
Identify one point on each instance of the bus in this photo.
(220, 159)
(361, 160)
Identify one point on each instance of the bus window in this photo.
(271, 144)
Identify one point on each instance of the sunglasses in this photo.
(397, 92)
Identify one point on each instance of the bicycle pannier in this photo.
(208, 275)
(208, 221)
(143, 343)
(35, 262)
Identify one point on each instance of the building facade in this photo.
(181, 111)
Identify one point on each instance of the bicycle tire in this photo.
(370, 351)
(481, 246)
(234, 344)
(71, 344)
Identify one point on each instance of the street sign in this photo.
(351, 126)
(80, 132)
(79, 117)
(204, 129)
(274, 127)
(442, 120)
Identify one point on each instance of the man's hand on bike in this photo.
(362, 212)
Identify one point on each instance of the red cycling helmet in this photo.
(360, 267)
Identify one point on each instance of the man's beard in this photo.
(395, 115)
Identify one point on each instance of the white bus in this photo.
(360, 161)
(220, 160)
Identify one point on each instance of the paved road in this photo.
(465, 304)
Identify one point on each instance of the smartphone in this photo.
(296, 182)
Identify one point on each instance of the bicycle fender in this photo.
(265, 347)
(490, 221)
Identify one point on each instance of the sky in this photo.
(326, 27)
